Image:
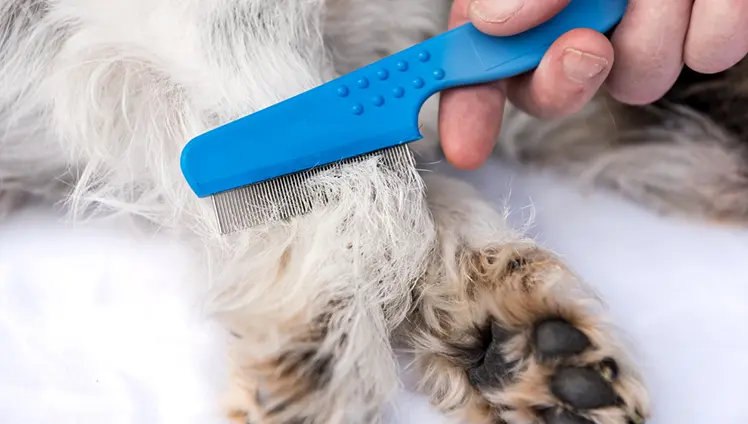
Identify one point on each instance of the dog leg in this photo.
(319, 296)
(504, 332)
(333, 366)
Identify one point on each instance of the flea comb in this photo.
(255, 167)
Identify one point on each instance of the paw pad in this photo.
(561, 416)
(556, 338)
(582, 388)
(558, 350)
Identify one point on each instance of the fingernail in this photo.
(496, 11)
(582, 67)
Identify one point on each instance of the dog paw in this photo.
(556, 378)
(514, 340)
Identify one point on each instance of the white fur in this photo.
(107, 93)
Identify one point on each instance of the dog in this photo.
(98, 98)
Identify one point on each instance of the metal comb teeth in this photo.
(288, 196)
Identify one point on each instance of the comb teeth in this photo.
(288, 196)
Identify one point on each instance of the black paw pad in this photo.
(562, 416)
(582, 388)
(556, 338)
(493, 369)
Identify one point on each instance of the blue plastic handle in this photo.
(374, 107)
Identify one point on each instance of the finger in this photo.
(718, 35)
(469, 123)
(469, 117)
(567, 78)
(508, 17)
(649, 49)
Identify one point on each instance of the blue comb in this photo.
(254, 167)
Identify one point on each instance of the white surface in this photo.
(95, 326)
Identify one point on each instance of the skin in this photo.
(651, 45)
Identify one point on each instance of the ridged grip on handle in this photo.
(374, 107)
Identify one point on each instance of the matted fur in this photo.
(97, 100)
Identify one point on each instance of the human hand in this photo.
(568, 76)
(652, 43)
(656, 38)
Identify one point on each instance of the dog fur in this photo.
(685, 155)
(98, 98)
